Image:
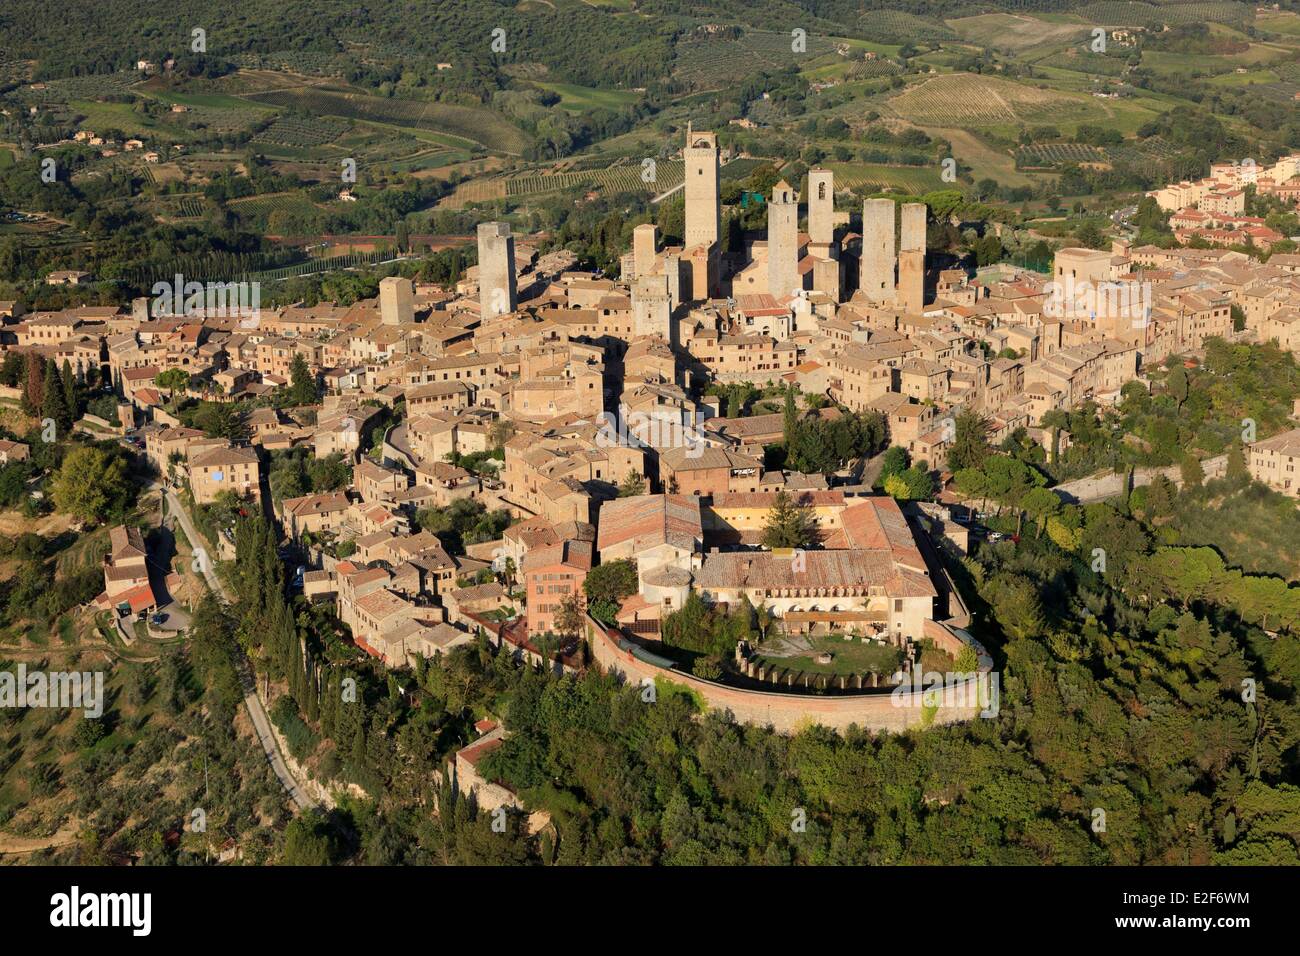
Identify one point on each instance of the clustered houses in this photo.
(1213, 209)
(581, 390)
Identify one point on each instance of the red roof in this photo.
(476, 752)
(139, 598)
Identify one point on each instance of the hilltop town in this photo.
(583, 421)
(575, 508)
(543, 393)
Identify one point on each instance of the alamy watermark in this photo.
(1081, 299)
(630, 429)
(53, 689)
(953, 689)
(208, 299)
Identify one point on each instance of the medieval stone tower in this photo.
(652, 306)
(643, 248)
(396, 300)
(703, 222)
(496, 269)
(783, 241)
(821, 211)
(876, 279)
(821, 232)
(911, 259)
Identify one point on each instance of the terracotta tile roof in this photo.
(650, 520)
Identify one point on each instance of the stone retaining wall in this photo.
(788, 712)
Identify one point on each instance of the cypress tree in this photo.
(52, 403)
(34, 395)
(70, 390)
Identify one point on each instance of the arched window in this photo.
(821, 190)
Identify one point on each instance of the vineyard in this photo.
(1125, 13)
(1053, 155)
(1277, 92)
(616, 179)
(872, 69)
(876, 177)
(895, 26)
(966, 100)
(302, 132)
(1153, 151)
(620, 177)
(217, 119)
(264, 205)
(702, 62)
(475, 190)
(351, 260)
(435, 158)
(297, 61)
(189, 207)
(470, 123)
(741, 168)
(79, 87)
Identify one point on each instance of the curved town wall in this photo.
(788, 712)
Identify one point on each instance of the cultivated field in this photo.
(702, 62)
(302, 132)
(1126, 13)
(1053, 155)
(969, 100)
(877, 177)
(476, 125)
(1007, 31)
(625, 177)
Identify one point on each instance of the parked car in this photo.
(158, 618)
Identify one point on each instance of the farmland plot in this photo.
(967, 100)
(470, 123)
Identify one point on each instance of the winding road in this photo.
(256, 712)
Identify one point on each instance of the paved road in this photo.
(256, 712)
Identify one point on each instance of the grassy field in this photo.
(121, 116)
(983, 159)
(1281, 22)
(1017, 33)
(851, 656)
(576, 99)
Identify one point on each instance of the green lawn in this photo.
(852, 656)
(577, 99)
(121, 116)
